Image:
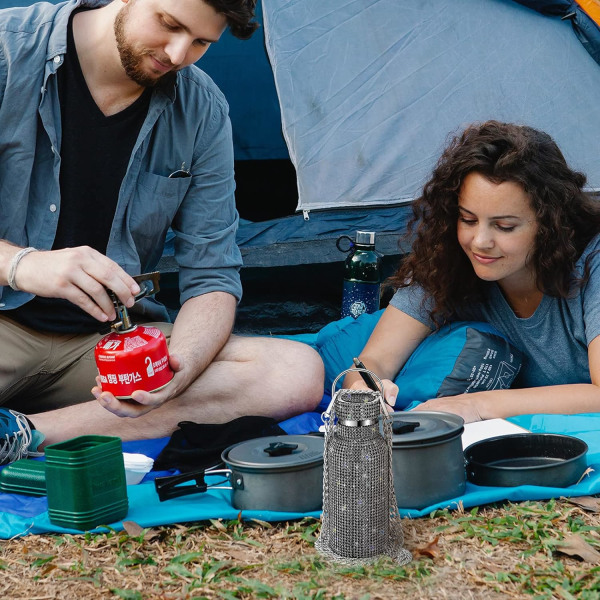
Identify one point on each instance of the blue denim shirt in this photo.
(186, 123)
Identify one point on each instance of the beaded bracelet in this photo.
(14, 263)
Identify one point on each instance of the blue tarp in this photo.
(21, 515)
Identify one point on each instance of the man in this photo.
(99, 104)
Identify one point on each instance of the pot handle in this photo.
(167, 487)
(399, 427)
(280, 449)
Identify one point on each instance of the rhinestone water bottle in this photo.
(362, 275)
(360, 514)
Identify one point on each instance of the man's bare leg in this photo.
(251, 376)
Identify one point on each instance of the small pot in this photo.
(280, 473)
(427, 458)
(545, 459)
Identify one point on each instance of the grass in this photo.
(523, 550)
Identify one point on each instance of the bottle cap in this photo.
(365, 238)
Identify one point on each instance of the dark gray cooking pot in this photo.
(546, 459)
(289, 482)
(281, 473)
(427, 458)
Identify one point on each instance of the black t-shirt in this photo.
(95, 152)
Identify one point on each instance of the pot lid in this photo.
(424, 427)
(276, 452)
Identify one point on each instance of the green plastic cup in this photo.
(85, 482)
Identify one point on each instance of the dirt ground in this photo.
(522, 550)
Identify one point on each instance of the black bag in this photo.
(196, 446)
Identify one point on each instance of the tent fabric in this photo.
(584, 16)
(242, 71)
(21, 515)
(299, 240)
(370, 90)
(592, 9)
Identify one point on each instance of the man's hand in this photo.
(141, 401)
(79, 275)
(201, 329)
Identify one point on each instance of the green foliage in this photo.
(43, 559)
(127, 594)
(530, 530)
(515, 550)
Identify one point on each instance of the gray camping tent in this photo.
(370, 89)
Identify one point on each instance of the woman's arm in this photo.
(570, 398)
(392, 342)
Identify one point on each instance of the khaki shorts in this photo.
(41, 371)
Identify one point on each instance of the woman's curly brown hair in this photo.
(239, 15)
(567, 217)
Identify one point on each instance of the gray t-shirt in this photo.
(554, 340)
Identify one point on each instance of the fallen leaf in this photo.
(431, 549)
(575, 545)
(48, 568)
(240, 556)
(588, 471)
(264, 524)
(218, 524)
(132, 528)
(154, 534)
(588, 503)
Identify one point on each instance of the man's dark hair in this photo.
(567, 217)
(239, 15)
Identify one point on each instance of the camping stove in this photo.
(133, 357)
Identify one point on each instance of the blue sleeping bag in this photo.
(459, 358)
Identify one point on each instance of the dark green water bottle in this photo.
(362, 275)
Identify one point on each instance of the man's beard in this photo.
(132, 60)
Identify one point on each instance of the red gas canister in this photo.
(136, 359)
(133, 357)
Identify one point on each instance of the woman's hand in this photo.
(390, 390)
(463, 405)
(390, 345)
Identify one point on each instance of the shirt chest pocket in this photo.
(155, 203)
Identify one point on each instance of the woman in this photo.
(504, 234)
